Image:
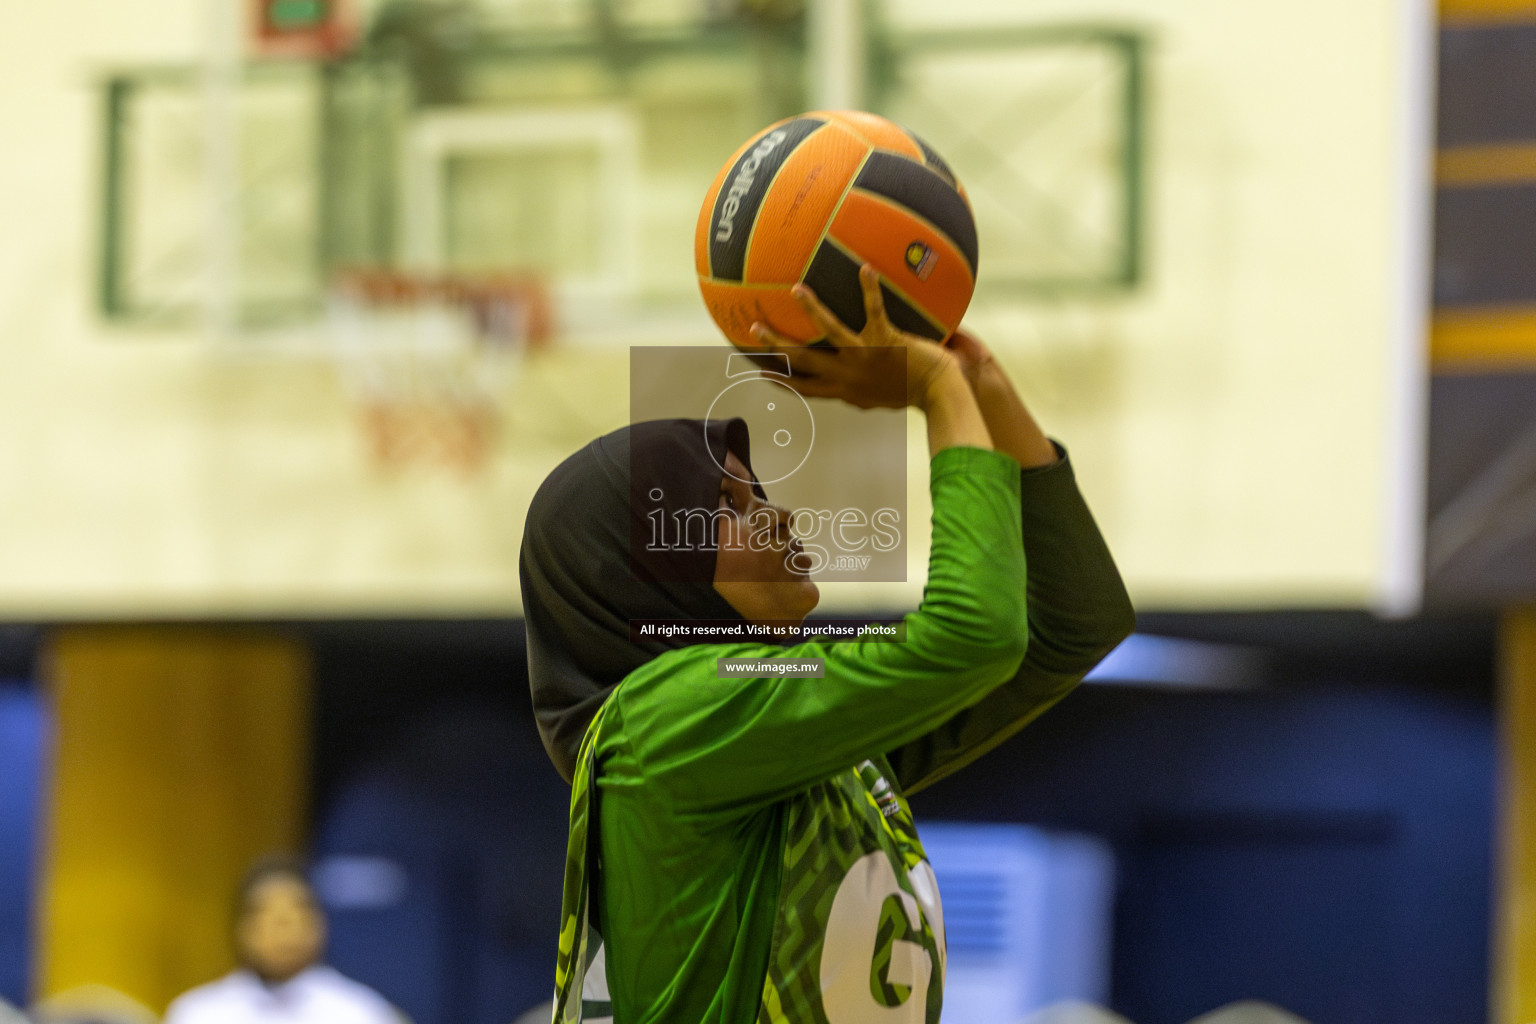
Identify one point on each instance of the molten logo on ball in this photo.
(742, 182)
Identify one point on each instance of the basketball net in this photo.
(429, 361)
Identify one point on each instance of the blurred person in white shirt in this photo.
(280, 938)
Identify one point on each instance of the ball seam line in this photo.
(836, 209)
(746, 256)
(851, 130)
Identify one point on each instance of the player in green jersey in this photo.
(741, 849)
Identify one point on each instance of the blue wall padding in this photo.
(23, 725)
(466, 805)
(1324, 849)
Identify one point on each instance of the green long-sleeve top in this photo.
(756, 857)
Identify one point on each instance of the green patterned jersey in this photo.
(859, 930)
(744, 845)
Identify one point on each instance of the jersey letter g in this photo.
(849, 949)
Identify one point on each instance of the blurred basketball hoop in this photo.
(430, 359)
(315, 29)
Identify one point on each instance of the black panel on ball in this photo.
(933, 160)
(834, 276)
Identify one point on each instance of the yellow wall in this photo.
(179, 757)
(1231, 420)
(1514, 927)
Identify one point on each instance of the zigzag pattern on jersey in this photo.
(900, 824)
(574, 895)
(831, 826)
(576, 946)
(821, 843)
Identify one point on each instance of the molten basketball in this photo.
(813, 197)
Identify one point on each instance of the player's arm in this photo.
(1010, 424)
(1078, 606)
(714, 744)
(711, 744)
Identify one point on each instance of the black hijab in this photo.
(587, 570)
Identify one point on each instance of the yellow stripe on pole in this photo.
(1453, 12)
(1514, 965)
(180, 755)
(1483, 340)
(1481, 166)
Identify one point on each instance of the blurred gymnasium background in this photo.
(300, 299)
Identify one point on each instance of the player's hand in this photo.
(878, 367)
(976, 360)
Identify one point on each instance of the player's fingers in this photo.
(837, 332)
(803, 361)
(816, 361)
(874, 301)
(769, 338)
(810, 387)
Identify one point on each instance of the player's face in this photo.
(759, 565)
(281, 929)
